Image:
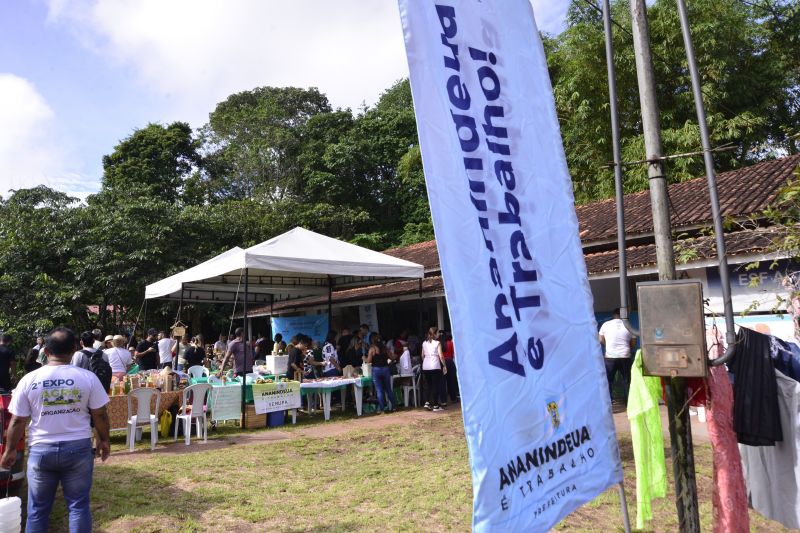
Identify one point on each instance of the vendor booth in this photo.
(296, 264)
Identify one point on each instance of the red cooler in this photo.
(17, 472)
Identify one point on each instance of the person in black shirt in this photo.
(344, 342)
(352, 354)
(195, 354)
(7, 360)
(263, 346)
(378, 355)
(296, 359)
(278, 346)
(147, 352)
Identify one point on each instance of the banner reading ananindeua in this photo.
(271, 397)
(533, 388)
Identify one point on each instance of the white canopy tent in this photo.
(296, 264)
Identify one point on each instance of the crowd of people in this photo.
(308, 358)
(61, 429)
(349, 350)
(342, 353)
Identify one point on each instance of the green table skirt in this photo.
(248, 395)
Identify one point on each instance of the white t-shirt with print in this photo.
(58, 399)
(329, 355)
(617, 337)
(165, 350)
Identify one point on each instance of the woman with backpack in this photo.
(93, 360)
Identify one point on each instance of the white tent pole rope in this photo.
(236, 299)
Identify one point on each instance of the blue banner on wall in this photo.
(315, 326)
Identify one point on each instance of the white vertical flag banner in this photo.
(534, 393)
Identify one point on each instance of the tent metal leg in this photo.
(330, 304)
(246, 349)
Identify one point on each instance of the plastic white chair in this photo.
(143, 416)
(198, 371)
(414, 377)
(201, 394)
(214, 379)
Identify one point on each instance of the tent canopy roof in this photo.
(295, 264)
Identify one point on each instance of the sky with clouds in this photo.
(77, 76)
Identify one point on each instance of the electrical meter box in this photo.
(672, 327)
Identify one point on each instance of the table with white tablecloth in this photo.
(326, 386)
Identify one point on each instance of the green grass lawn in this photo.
(412, 477)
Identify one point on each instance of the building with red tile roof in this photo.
(744, 195)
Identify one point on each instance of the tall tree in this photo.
(253, 140)
(153, 161)
(749, 87)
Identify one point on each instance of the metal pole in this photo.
(708, 160)
(626, 519)
(618, 187)
(679, 426)
(178, 342)
(420, 325)
(620, 194)
(246, 347)
(330, 304)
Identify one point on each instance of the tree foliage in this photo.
(746, 54)
(270, 159)
(152, 162)
(38, 229)
(253, 140)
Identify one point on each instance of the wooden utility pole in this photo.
(679, 426)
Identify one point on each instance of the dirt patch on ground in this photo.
(336, 429)
(319, 431)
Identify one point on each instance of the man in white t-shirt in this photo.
(221, 346)
(59, 400)
(618, 343)
(165, 345)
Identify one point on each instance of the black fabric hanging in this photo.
(756, 418)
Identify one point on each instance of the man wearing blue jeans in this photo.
(59, 400)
